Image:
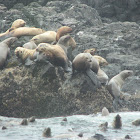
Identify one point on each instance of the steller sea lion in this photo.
(91, 51)
(63, 31)
(117, 123)
(23, 31)
(58, 51)
(115, 84)
(16, 24)
(5, 50)
(27, 56)
(87, 63)
(51, 36)
(101, 75)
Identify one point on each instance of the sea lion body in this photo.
(16, 24)
(84, 61)
(87, 63)
(46, 37)
(23, 31)
(5, 50)
(102, 76)
(115, 84)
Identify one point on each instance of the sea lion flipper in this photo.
(93, 77)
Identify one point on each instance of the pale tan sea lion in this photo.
(87, 63)
(5, 50)
(46, 37)
(16, 24)
(91, 51)
(115, 84)
(52, 36)
(23, 31)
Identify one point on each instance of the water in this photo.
(87, 124)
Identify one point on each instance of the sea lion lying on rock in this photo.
(58, 52)
(115, 84)
(27, 56)
(5, 50)
(51, 36)
(23, 31)
(16, 24)
(87, 63)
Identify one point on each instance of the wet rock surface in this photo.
(45, 90)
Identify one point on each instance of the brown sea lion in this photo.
(117, 123)
(23, 31)
(63, 31)
(102, 76)
(58, 55)
(16, 24)
(115, 84)
(5, 50)
(87, 63)
(91, 51)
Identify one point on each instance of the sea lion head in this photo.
(126, 73)
(10, 40)
(19, 51)
(18, 23)
(91, 51)
(63, 31)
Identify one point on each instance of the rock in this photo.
(127, 137)
(65, 119)
(136, 122)
(105, 112)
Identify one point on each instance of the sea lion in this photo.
(101, 75)
(51, 36)
(115, 84)
(16, 24)
(91, 51)
(58, 51)
(5, 50)
(63, 31)
(46, 37)
(87, 63)
(47, 132)
(23, 31)
(30, 45)
(117, 123)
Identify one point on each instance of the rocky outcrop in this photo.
(44, 90)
